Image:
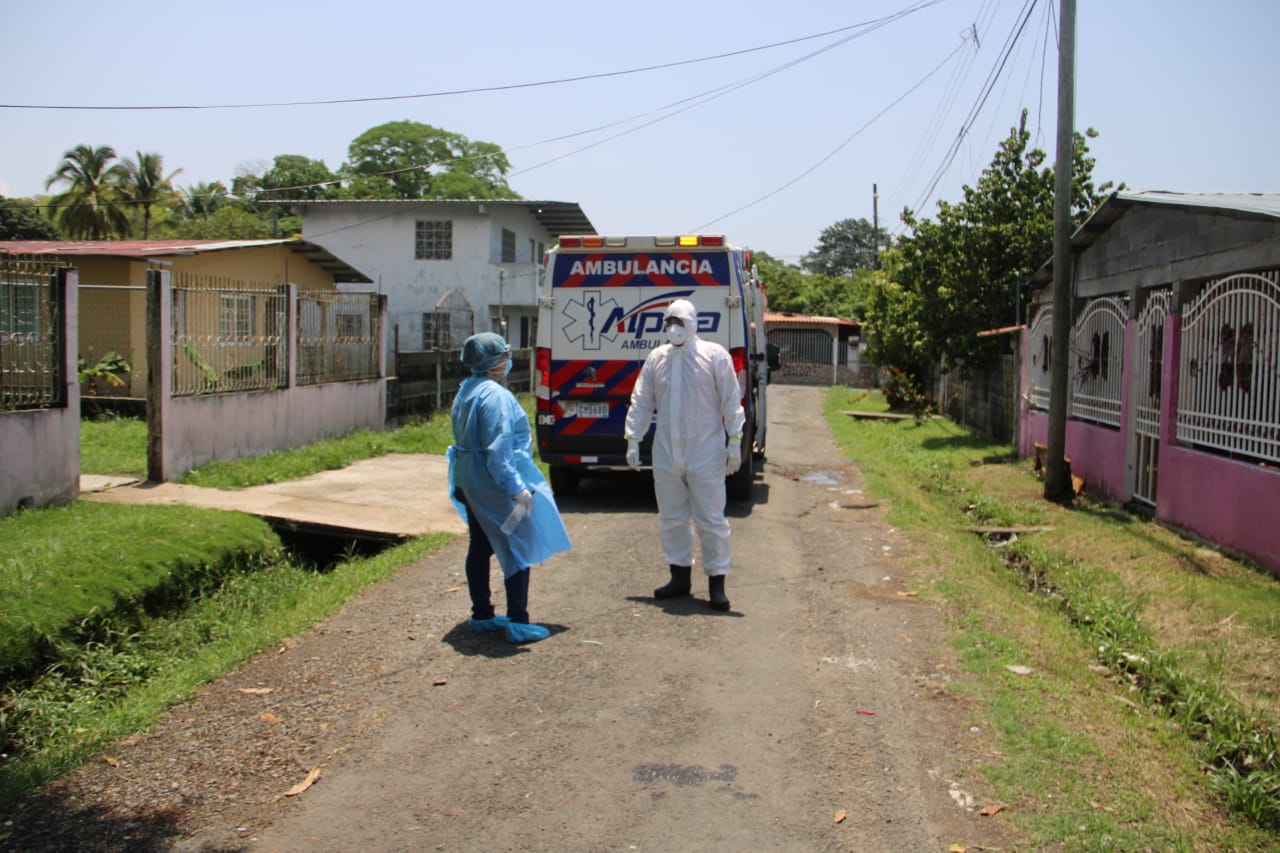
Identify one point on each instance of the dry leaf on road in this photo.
(304, 784)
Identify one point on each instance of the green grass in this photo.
(65, 569)
(109, 614)
(113, 445)
(121, 681)
(1144, 724)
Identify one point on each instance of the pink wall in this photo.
(1233, 504)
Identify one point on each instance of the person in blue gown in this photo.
(499, 491)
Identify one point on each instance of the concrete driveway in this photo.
(389, 497)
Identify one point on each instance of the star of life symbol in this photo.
(585, 317)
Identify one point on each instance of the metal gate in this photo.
(1229, 375)
(1148, 364)
(1096, 344)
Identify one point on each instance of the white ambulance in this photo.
(600, 314)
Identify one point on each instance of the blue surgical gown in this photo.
(491, 461)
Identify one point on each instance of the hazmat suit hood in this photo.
(688, 314)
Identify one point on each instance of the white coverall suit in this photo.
(697, 399)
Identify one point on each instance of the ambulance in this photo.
(600, 311)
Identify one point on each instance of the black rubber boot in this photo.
(717, 599)
(677, 586)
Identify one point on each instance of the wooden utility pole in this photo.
(875, 225)
(1057, 478)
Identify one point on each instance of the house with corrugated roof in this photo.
(1174, 362)
(112, 290)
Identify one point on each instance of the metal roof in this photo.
(782, 318)
(558, 217)
(144, 249)
(1243, 205)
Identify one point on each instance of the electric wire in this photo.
(992, 78)
(839, 147)
(922, 4)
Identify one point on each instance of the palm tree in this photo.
(202, 200)
(144, 183)
(87, 208)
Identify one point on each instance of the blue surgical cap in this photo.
(482, 352)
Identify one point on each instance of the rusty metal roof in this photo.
(558, 217)
(783, 318)
(144, 249)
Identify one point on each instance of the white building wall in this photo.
(378, 240)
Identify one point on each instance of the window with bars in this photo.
(435, 330)
(235, 316)
(20, 307)
(433, 240)
(350, 325)
(508, 246)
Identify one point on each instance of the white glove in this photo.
(633, 453)
(732, 456)
(526, 498)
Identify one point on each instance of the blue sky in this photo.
(1183, 93)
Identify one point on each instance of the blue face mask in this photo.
(507, 370)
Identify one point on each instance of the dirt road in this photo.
(638, 726)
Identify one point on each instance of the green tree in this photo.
(406, 159)
(143, 183)
(848, 245)
(962, 274)
(89, 208)
(293, 176)
(21, 220)
(201, 200)
(226, 223)
(791, 289)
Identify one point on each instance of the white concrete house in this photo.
(449, 268)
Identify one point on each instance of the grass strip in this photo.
(66, 570)
(1087, 766)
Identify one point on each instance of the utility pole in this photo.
(875, 224)
(1057, 478)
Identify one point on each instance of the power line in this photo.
(479, 89)
(839, 147)
(992, 79)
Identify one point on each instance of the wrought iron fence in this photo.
(1040, 342)
(228, 335)
(338, 336)
(1229, 372)
(1097, 350)
(32, 372)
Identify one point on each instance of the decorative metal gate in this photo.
(1148, 364)
(1229, 376)
(1097, 345)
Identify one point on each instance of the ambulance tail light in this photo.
(570, 242)
(542, 366)
(716, 240)
(739, 356)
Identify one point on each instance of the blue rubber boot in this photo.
(523, 632)
(485, 626)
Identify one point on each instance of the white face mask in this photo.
(676, 335)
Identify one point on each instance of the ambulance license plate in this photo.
(593, 410)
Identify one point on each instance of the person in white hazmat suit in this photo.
(689, 386)
(499, 491)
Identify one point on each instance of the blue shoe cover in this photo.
(523, 632)
(482, 626)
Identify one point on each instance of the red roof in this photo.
(126, 248)
(781, 319)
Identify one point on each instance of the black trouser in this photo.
(479, 550)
